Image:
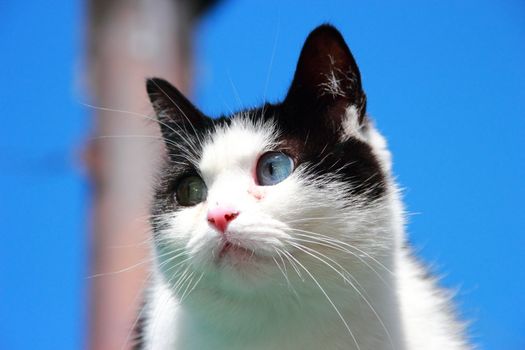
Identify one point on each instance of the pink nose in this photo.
(220, 217)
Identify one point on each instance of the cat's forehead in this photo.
(236, 145)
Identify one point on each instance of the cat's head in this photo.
(249, 201)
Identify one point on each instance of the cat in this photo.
(281, 227)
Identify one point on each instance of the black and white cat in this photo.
(281, 227)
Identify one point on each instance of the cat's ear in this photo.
(326, 86)
(174, 111)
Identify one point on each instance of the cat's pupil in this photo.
(271, 169)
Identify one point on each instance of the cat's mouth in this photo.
(230, 250)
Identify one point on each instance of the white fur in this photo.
(372, 297)
(350, 124)
(332, 85)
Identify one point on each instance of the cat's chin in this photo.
(233, 251)
(235, 268)
(238, 258)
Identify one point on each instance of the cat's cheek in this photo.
(258, 192)
(185, 222)
(202, 244)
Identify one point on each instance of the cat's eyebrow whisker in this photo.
(190, 152)
(184, 136)
(116, 110)
(272, 58)
(185, 154)
(131, 113)
(312, 253)
(177, 106)
(147, 117)
(136, 136)
(327, 297)
(234, 88)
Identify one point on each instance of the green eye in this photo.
(191, 190)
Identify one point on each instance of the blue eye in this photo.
(273, 167)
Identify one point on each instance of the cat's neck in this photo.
(361, 313)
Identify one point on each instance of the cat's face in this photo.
(248, 202)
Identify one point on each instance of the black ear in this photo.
(326, 83)
(175, 112)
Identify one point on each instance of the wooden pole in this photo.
(129, 40)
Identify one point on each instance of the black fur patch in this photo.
(319, 148)
(138, 333)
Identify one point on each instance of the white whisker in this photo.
(327, 297)
(313, 252)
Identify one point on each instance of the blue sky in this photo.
(445, 83)
(43, 197)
